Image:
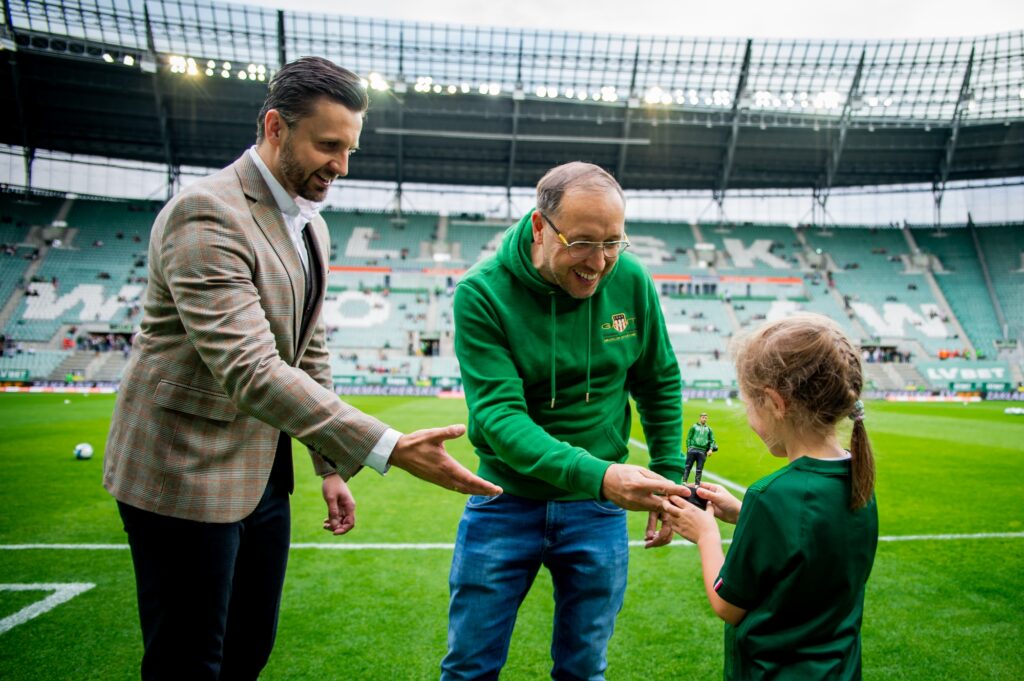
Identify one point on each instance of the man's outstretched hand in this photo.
(422, 454)
(635, 488)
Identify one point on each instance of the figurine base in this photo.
(695, 500)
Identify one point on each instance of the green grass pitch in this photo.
(937, 607)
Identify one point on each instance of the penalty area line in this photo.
(62, 593)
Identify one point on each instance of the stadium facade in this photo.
(752, 146)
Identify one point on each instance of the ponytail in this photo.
(862, 466)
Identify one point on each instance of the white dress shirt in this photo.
(298, 212)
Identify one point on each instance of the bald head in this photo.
(577, 176)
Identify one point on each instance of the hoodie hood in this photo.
(516, 253)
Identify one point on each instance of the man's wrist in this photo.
(379, 457)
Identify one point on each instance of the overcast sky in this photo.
(734, 18)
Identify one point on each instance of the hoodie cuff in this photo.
(589, 474)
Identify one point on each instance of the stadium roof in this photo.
(180, 82)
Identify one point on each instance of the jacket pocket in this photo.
(194, 401)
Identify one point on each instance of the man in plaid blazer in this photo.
(230, 363)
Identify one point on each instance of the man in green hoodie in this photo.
(553, 334)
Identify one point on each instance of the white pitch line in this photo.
(945, 537)
(725, 482)
(376, 547)
(62, 593)
(443, 546)
(63, 547)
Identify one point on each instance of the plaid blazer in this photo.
(218, 367)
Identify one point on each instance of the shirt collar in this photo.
(291, 207)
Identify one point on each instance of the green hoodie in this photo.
(548, 377)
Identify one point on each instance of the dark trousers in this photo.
(209, 593)
(693, 454)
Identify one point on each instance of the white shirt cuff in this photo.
(378, 457)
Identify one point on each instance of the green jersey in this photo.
(798, 564)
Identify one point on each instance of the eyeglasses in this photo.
(582, 249)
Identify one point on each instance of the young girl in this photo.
(791, 590)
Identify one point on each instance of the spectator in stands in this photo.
(225, 372)
(554, 333)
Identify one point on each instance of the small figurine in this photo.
(700, 442)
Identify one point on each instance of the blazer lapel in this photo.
(268, 217)
(318, 260)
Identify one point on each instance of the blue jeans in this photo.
(501, 544)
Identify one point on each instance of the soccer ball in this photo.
(83, 451)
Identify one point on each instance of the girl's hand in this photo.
(727, 507)
(687, 520)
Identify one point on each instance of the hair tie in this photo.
(857, 414)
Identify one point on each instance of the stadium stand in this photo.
(476, 240)
(13, 266)
(387, 316)
(892, 303)
(374, 239)
(1003, 249)
(766, 250)
(38, 364)
(22, 213)
(697, 325)
(963, 283)
(664, 247)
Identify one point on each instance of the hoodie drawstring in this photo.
(553, 351)
(590, 331)
(554, 336)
